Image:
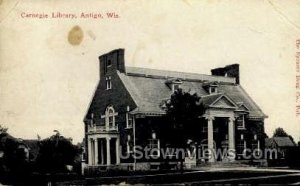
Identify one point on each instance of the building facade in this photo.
(128, 108)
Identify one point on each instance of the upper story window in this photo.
(108, 83)
(108, 63)
(129, 118)
(211, 87)
(213, 90)
(175, 87)
(110, 117)
(129, 122)
(174, 84)
(92, 120)
(240, 122)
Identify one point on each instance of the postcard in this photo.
(120, 92)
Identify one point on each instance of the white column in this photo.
(117, 150)
(107, 151)
(231, 135)
(210, 138)
(102, 151)
(133, 128)
(90, 151)
(96, 151)
(245, 146)
(258, 146)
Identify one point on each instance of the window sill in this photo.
(128, 127)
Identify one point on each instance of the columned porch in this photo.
(103, 150)
(220, 137)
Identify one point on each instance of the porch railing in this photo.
(102, 128)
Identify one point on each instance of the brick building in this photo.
(127, 110)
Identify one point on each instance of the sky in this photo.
(47, 81)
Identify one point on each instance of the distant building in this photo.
(281, 144)
(18, 147)
(128, 108)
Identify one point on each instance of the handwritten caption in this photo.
(298, 78)
(65, 15)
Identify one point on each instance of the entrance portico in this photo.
(220, 114)
(103, 150)
(211, 144)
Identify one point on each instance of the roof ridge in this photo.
(165, 74)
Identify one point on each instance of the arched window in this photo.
(110, 117)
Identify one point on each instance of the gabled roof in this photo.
(217, 100)
(147, 88)
(284, 141)
(279, 142)
(242, 107)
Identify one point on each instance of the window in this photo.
(129, 122)
(212, 90)
(129, 145)
(108, 63)
(108, 83)
(110, 118)
(175, 87)
(154, 145)
(240, 147)
(240, 122)
(92, 120)
(174, 84)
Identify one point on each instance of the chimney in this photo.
(228, 71)
(111, 62)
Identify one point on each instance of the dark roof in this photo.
(210, 99)
(279, 142)
(147, 88)
(147, 72)
(284, 141)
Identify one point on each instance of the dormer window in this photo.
(174, 84)
(213, 90)
(108, 83)
(175, 87)
(211, 87)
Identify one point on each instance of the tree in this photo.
(3, 130)
(280, 132)
(183, 113)
(55, 153)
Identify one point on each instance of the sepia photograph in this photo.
(136, 92)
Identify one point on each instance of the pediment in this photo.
(243, 108)
(223, 102)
